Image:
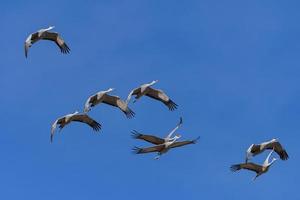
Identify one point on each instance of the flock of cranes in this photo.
(159, 145)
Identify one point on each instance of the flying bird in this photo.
(156, 94)
(104, 97)
(258, 169)
(156, 140)
(162, 145)
(45, 34)
(256, 149)
(76, 117)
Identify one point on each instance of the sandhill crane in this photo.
(147, 90)
(44, 34)
(162, 145)
(255, 149)
(259, 169)
(84, 118)
(104, 97)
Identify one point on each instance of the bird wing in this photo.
(248, 166)
(84, 118)
(133, 92)
(117, 102)
(55, 37)
(278, 149)
(156, 148)
(161, 96)
(183, 143)
(149, 138)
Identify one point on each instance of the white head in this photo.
(76, 112)
(110, 89)
(153, 82)
(50, 27)
(274, 140)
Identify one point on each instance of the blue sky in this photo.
(231, 66)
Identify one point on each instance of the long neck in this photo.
(171, 141)
(271, 162)
(152, 83)
(266, 163)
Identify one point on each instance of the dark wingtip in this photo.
(97, 126)
(135, 134)
(172, 105)
(129, 113)
(196, 140)
(180, 120)
(65, 49)
(234, 168)
(284, 155)
(136, 150)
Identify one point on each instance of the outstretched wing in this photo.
(161, 96)
(149, 138)
(84, 118)
(183, 143)
(278, 149)
(156, 148)
(249, 166)
(117, 102)
(55, 37)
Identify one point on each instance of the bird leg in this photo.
(255, 177)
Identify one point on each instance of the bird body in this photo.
(162, 145)
(147, 90)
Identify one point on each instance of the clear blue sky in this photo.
(233, 67)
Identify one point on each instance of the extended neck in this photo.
(153, 82)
